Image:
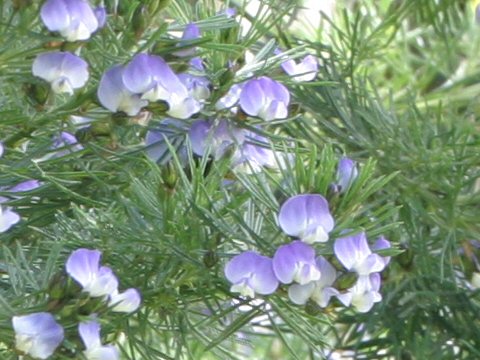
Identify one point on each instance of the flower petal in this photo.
(90, 333)
(299, 294)
(83, 265)
(351, 250)
(127, 302)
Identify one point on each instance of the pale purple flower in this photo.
(27, 185)
(2, 149)
(115, 96)
(83, 266)
(319, 291)
(126, 302)
(305, 70)
(63, 70)
(73, 19)
(364, 294)
(355, 254)
(382, 244)
(94, 350)
(191, 32)
(265, 98)
(307, 217)
(37, 335)
(8, 218)
(251, 273)
(64, 144)
(231, 98)
(255, 153)
(347, 172)
(230, 12)
(216, 138)
(295, 262)
(198, 86)
(151, 76)
(171, 130)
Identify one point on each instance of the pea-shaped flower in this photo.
(151, 76)
(127, 301)
(83, 265)
(170, 130)
(251, 273)
(73, 19)
(305, 70)
(346, 173)
(319, 291)
(307, 217)
(8, 217)
(265, 98)
(364, 294)
(355, 254)
(191, 32)
(295, 262)
(63, 70)
(37, 334)
(115, 96)
(94, 350)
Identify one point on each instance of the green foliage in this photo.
(397, 91)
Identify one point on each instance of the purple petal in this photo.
(241, 266)
(198, 134)
(351, 250)
(24, 186)
(197, 64)
(381, 244)
(274, 90)
(83, 21)
(191, 32)
(306, 216)
(37, 334)
(155, 140)
(252, 98)
(327, 271)
(275, 110)
(114, 96)
(101, 15)
(8, 218)
(55, 15)
(264, 281)
(83, 265)
(231, 98)
(346, 173)
(184, 108)
(2, 149)
(306, 70)
(90, 334)
(295, 261)
(126, 302)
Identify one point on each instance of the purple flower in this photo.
(63, 70)
(198, 86)
(346, 173)
(73, 19)
(64, 144)
(251, 273)
(127, 302)
(354, 253)
(191, 32)
(115, 96)
(151, 76)
(307, 217)
(305, 70)
(295, 262)
(8, 218)
(90, 334)
(156, 141)
(83, 266)
(231, 98)
(37, 334)
(217, 138)
(319, 291)
(27, 185)
(265, 98)
(2, 149)
(364, 293)
(382, 244)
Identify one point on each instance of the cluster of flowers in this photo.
(307, 218)
(39, 334)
